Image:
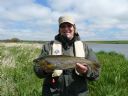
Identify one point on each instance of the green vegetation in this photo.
(110, 42)
(17, 40)
(114, 76)
(18, 78)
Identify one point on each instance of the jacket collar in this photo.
(66, 43)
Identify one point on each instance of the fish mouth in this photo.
(48, 67)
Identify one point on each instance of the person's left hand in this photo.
(80, 68)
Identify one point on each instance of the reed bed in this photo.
(19, 79)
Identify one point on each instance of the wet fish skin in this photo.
(61, 62)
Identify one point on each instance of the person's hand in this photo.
(82, 69)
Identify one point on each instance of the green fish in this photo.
(61, 62)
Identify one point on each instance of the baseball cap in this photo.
(63, 19)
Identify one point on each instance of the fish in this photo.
(62, 62)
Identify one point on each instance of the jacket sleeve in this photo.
(92, 73)
(37, 68)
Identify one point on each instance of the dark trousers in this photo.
(68, 84)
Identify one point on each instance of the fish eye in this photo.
(48, 63)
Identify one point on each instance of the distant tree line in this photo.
(11, 40)
(15, 40)
(41, 41)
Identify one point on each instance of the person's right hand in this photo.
(80, 68)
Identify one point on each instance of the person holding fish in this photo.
(61, 63)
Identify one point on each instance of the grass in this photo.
(114, 76)
(18, 78)
(109, 42)
(98, 42)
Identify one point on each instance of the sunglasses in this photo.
(66, 26)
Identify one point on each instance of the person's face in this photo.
(67, 29)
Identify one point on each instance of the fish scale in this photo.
(61, 62)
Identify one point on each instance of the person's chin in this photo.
(69, 37)
(68, 34)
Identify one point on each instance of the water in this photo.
(119, 48)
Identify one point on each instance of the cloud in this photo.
(92, 8)
(25, 12)
(23, 19)
(26, 34)
(58, 5)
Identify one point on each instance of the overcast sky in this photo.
(38, 19)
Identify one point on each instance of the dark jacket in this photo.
(69, 83)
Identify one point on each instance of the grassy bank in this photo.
(114, 76)
(18, 78)
(41, 42)
(109, 42)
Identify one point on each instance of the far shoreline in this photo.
(86, 41)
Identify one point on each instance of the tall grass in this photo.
(113, 80)
(18, 78)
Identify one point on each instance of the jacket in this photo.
(68, 83)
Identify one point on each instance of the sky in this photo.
(38, 19)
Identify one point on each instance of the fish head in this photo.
(46, 66)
